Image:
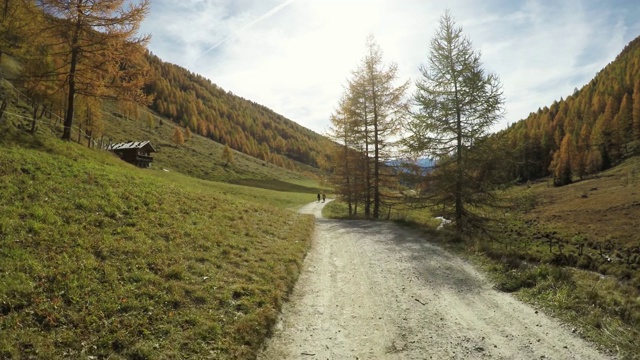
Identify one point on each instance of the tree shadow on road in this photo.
(429, 263)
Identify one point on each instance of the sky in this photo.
(295, 56)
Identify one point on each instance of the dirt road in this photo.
(372, 290)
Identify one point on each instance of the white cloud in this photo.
(295, 56)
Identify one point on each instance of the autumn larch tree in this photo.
(177, 137)
(15, 25)
(346, 168)
(456, 104)
(227, 156)
(388, 108)
(374, 107)
(635, 112)
(96, 49)
(623, 122)
(561, 166)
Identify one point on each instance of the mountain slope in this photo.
(199, 156)
(197, 103)
(589, 131)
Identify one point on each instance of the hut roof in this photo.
(132, 145)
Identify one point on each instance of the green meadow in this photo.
(100, 259)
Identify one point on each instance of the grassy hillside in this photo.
(99, 259)
(591, 224)
(199, 156)
(575, 250)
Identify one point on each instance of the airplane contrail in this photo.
(250, 24)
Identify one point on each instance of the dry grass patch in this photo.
(604, 208)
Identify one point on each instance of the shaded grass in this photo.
(99, 258)
(399, 213)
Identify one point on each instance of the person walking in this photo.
(318, 197)
(323, 197)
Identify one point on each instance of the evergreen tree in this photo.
(457, 104)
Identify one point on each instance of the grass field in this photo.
(99, 259)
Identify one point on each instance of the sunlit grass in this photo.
(102, 259)
(199, 156)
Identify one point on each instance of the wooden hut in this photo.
(134, 152)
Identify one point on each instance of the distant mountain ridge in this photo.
(424, 163)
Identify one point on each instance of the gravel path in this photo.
(372, 290)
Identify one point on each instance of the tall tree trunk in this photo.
(376, 153)
(367, 162)
(68, 119)
(348, 176)
(459, 170)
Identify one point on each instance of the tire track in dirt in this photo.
(373, 290)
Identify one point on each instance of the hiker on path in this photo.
(323, 197)
(318, 197)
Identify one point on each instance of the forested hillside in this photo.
(589, 131)
(65, 67)
(198, 104)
